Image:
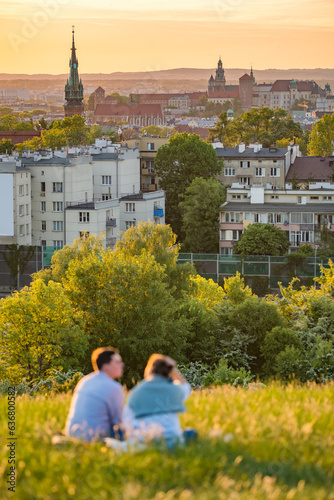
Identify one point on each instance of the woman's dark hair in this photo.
(161, 367)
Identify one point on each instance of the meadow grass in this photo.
(266, 443)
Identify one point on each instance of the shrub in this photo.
(223, 374)
(195, 373)
(275, 342)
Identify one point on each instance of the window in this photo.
(21, 210)
(21, 190)
(106, 180)
(43, 224)
(57, 225)
(57, 244)
(57, 206)
(27, 228)
(130, 223)
(314, 197)
(130, 207)
(327, 198)
(245, 164)
(22, 230)
(43, 187)
(299, 237)
(106, 196)
(43, 243)
(150, 166)
(274, 172)
(245, 180)
(150, 146)
(301, 218)
(27, 189)
(232, 217)
(229, 171)
(236, 196)
(43, 206)
(276, 218)
(84, 234)
(27, 209)
(274, 197)
(83, 216)
(57, 187)
(259, 172)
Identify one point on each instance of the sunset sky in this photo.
(147, 35)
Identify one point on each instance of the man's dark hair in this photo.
(161, 367)
(102, 356)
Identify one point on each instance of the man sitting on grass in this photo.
(97, 403)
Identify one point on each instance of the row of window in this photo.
(296, 237)
(57, 206)
(57, 187)
(280, 217)
(259, 172)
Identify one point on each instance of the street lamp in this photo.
(315, 265)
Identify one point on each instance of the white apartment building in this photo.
(15, 203)
(92, 190)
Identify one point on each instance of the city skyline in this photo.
(36, 36)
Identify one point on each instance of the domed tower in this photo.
(73, 88)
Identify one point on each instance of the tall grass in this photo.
(267, 443)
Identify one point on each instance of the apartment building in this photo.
(254, 165)
(300, 213)
(57, 197)
(15, 202)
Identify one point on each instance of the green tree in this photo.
(6, 146)
(262, 239)
(321, 141)
(39, 331)
(200, 215)
(177, 165)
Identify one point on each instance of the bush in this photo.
(56, 382)
(223, 374)
(195, 373)
(275, 342)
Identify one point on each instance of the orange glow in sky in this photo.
(146, 36)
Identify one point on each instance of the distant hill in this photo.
(185, 79)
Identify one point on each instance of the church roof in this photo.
(246, 77)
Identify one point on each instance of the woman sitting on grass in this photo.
(154, 403)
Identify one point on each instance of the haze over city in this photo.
(146, 36)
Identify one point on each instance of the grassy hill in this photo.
(264, 443)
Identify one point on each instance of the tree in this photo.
(262, 239)
(321, 141)
(177, 165)
(6, 146)
(17, 258)
(200, 215)
(39, 331)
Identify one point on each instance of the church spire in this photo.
(73, 87)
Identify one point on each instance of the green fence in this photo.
(275, 269)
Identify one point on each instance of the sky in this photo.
(150, 35)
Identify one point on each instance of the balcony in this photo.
(144, 171)
(152, 187)
(111, 222)
(158, 212)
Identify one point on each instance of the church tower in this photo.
(73, 88)
(218, 83)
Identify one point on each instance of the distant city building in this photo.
(141, 115)
(74, 88)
